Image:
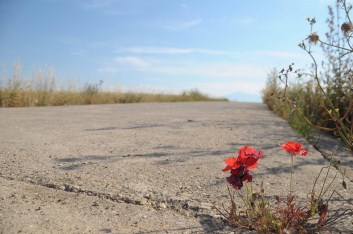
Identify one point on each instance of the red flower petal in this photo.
(249, 156)
(294, 148)
(303, 152)
(231, 162)
(227, 168)
(252, 166)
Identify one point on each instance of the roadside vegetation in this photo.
(40, 89)
(317, 99)
(320, 98)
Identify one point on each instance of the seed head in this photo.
(346, 28)
(313, 38)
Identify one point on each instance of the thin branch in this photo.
(336, 46)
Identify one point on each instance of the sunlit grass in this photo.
(40, 90)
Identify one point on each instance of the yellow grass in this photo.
(40, 90)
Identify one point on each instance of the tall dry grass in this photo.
(40, 89)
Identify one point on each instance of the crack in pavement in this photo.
(183, 206)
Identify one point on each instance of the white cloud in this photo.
(109, 69)
(245, 21)
(230, 71)
(133, 61)
(97, 3)
(70, 40)
(190, 24)
(181, 25)
(215, 78)
(215, 75)
(184, 6)
(155, 50)
(213, 70)
(186, 51)
(170, 51)
(279, 54)
(98, 44)
(111, 12)
(79, 52)
(152, 60)
(216, 71)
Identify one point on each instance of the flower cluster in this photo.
(239, 167)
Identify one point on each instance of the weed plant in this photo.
(276, 214)
(322, 98)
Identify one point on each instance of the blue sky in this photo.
(219, 47)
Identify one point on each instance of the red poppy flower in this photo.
(239, 167)
(294, 148)
(249, 156)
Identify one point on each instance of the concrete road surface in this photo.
(140, 168)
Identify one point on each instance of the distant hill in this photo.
(244, 97)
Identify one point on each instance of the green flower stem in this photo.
(291, 174)
(248, 194)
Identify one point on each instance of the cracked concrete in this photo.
(138, 168)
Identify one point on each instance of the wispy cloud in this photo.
(108, 69)
(278, 54)
(235, 71)
(241, 78)
(70, 40)
(170, 51)
(181, 25)
(229, 71)
(245, 21)
(213, 70)
(133, 61)
(79, 52)
(234, 21)
(97, 3)
(216, 70)
(111, 12)
(155, 50)
(190, 51)
(185, 6)
(190, 24)
(216, 77)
